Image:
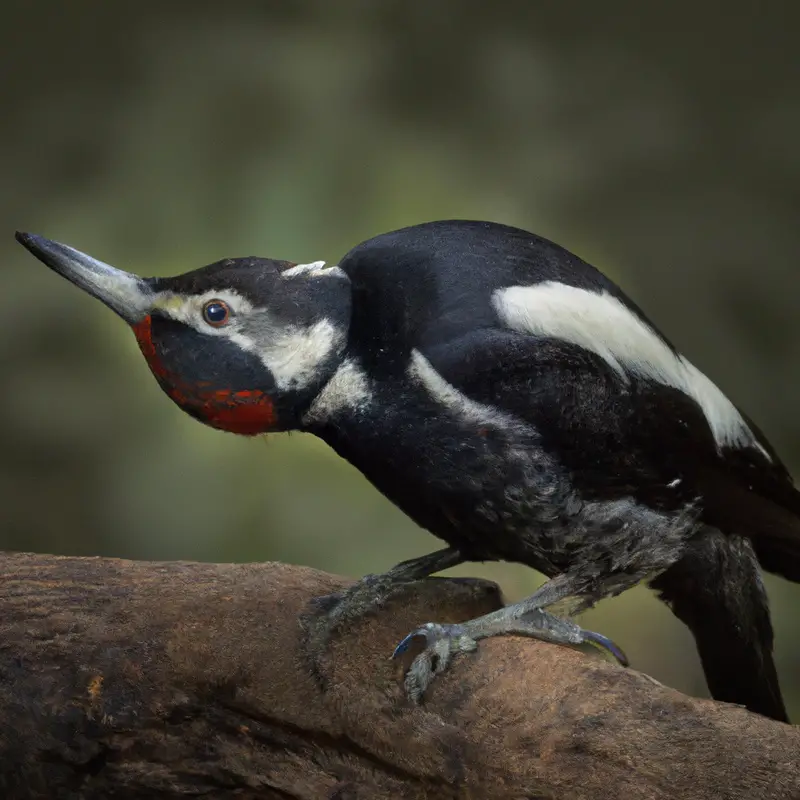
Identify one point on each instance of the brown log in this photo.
(123, 679)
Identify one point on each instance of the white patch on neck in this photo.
(295, 354)
(315, 269)
(602, 324)
(348, 389)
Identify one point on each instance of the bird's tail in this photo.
(716, 590)
(780, 557)
(777, 522)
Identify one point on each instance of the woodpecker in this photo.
(511, 400)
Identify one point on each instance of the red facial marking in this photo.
(143, 330)
(253, 416)
(246, 412)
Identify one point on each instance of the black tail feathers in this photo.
(767, 513)
(781, 557)
(775, 532)
(716, 590)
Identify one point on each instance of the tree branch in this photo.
(151, 680)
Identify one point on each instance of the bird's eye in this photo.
(216, 313)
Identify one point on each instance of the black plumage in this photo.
(429, 288)
(514, 402)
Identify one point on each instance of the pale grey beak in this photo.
(128, 295)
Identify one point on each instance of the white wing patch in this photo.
(600, 323)
(445, 393)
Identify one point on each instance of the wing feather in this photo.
(629, 437)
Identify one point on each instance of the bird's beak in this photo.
(128, 295)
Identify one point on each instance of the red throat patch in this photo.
(247, 412)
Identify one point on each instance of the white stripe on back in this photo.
(602, 324)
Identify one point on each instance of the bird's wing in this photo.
(519, 324)
(620, 432)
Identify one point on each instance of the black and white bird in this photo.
(511, 400)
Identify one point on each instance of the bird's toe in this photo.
(442, 642)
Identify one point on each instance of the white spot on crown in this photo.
(315, 269)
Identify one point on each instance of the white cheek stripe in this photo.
(602, 324)
(295, 354)
(292, 354)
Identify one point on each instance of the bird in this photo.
(510, 399)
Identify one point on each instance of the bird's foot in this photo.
(369, 595)
(442, 642)
(332, 611)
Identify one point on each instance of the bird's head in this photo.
(243, 345)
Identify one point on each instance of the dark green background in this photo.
(662, 145)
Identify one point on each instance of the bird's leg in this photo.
(526, 618)
(370, 593)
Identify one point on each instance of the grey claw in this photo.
(441, 643)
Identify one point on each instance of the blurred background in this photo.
(659, 143)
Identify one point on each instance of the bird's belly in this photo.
(512, 522)
(522, 508)
(561, 533)
(493, 503)
(498, 495)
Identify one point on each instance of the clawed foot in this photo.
(368, 595)
(442, 642)
(333, 610)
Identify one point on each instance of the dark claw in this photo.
(606, 644)
(404, 645)
(430, 632)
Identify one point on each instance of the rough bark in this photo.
(158, 680)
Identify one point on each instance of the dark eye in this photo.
(216, 313)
